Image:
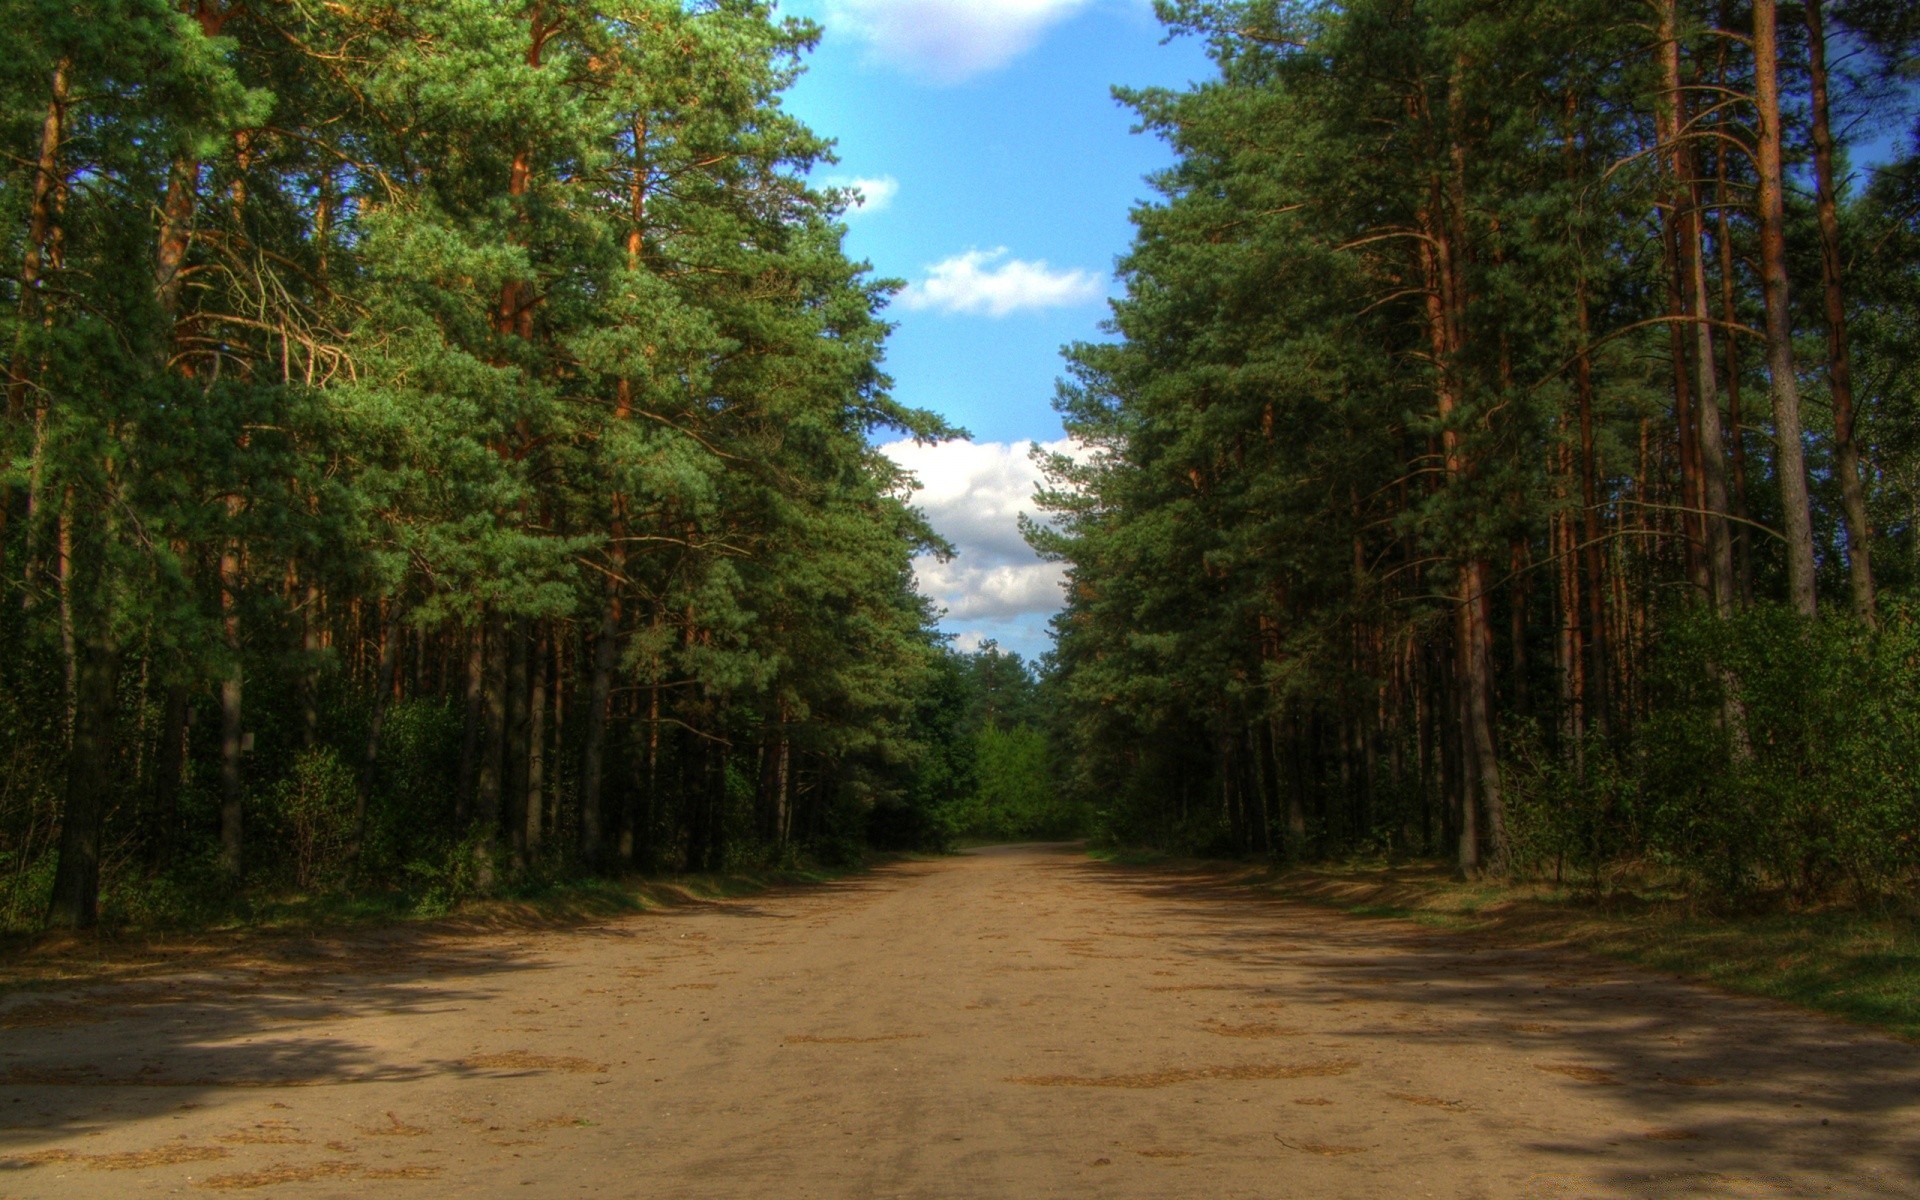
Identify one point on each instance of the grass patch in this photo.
(1859, 965)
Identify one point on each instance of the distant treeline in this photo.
(438, 455)
(1512, 447)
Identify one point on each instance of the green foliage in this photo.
(314, 807)
(1016, 797)
(1393, 530)
(1777, 759)
(343, 345)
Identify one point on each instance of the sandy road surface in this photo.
(1017, 1023)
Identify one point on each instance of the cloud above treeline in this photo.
(872, 194)
(947, 41)
(973, 494)
(988, 283)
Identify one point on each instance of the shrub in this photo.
(1778, 755)
(315, 804)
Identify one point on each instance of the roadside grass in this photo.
(1858, 964)
(254, 924)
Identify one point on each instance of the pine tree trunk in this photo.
(1736, 429)
(384, 685)
(310, 668)
(1466, 807)
(716, 802)
(1839, 357)
(1593, 583)
(518, 756)
(40, 227)
(1790, 460)
(472, 726)
(232, 722)
(650, 822)
(492, 783)
(1708, 439)
(537, 747)
(63, 580)
(90, 780)
(1480, 692)
(593, 751)
(176, 234)
(169, 772)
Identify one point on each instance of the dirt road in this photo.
(1011, 1024)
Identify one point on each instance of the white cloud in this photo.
(949, 40)
(875, 194)
(987, 282)
(973, 494)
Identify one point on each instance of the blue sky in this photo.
(1001, 177)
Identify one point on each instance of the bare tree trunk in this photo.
(1447, 305)
(1519, 564)
(782, 790)
(1479, 686)
(716, 802)
(1669, 116)
(232, 721)
(310, 667)
(1839, 357)
(518, 756)
(63, 578)
(90, 780)
(1596, 694)
(493, 760)
(1736, 430)
(1708, 440)
(593, 751)
(40, 226)
(537, 747)
(1790, 462)
(475, 719)
(169, 771)
(383, 687)
(650, 830)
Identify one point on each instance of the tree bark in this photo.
(1839, 357)
(593, 750)
(493, 753)
(1707, 443)
(1596, 693)
(1790, 460)
(40, 226)
(169, 772)
(1736, 430)
(90, 775)
(472, 727)
(232, 722)
(384, 685)
(519, 741)
(537, 747)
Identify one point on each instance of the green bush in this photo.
(315, 807)
(1015, 794)
(1778, 756)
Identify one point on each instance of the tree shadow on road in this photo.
(1712, 1090)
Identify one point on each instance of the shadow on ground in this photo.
(1723, 1087)
(163, 1023)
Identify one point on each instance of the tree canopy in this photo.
(1500, 452)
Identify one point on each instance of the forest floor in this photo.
(1011, 1023)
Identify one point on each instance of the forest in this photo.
(439, 456)
(1508, 449)
(440, 459)
(496, 695)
